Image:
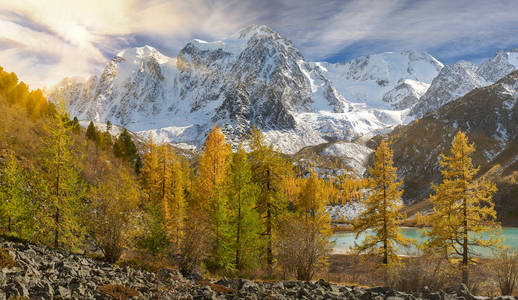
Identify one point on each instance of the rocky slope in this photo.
(488, 115)
(501, 64)
(254, 77)
(39, 273)
(452, 82)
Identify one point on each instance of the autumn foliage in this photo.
(234, 212)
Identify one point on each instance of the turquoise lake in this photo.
(344, 241)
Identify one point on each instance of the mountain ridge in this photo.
(253, 78)
(257, 78)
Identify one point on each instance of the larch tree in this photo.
(17, 208)
(60, 161)
(112, 212)
(269, 171)
(303, 242)
(154, 187)
(464, 217)
(212, 171)
(173, 195)
(244, 220)
(382, 206)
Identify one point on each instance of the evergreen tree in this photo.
(60, 160)
(91, 132)
(463, 207)
(382, 208)
(125, 148)
(76, 129)
(270, 172)
(244, 220)
(108, 126)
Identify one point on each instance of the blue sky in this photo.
(44, 41)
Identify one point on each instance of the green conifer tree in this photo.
(244, 221)
(270, 171)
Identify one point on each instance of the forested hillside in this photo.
(233, 212)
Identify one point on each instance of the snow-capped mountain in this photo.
(134, 87)
(384, 80)
(452, 82)
(257, 78)
(458, 79)
(488, 115)
(253, 78)
(501, 64)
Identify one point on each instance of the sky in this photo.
(45, 41)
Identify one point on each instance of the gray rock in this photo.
(249, 285)
(64, 292)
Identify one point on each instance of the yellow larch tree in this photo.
(382, 206)
(163, 181)
(60, 160)
(112, 212)
(464, 217)
(212, 172)
(175, 215)
(153, 185)
(303, 240)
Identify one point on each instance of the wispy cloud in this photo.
(80, 34)
(43, 41)
(451, 28)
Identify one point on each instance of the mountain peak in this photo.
(141, 53)
(236, 42)
(251, 30)
(501, 64)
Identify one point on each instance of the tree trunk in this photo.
(238, 235)
(269, 252)
(56, 230)
(56, 215)
(385, 234)
(465, 275)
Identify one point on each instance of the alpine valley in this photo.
(257, 78)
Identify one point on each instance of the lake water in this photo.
(344, 241)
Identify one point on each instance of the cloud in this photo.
(82, 34)
(43, 41)
(451, 26)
